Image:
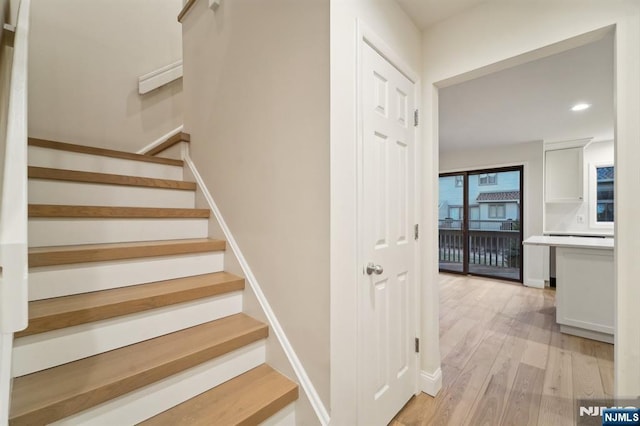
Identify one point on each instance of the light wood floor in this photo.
(505, 362)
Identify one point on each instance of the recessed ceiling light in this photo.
(580, 107)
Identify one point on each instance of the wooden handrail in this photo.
(187, 7)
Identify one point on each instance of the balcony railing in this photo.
(491, 243)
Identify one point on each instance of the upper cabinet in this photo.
(564, 175)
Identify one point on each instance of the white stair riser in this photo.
(81, 341)
(57, 159)
(56, 281)
(284, 417)
(42, 191)
(69, 231)
(151, 400)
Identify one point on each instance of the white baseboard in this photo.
(274, 325)
(162, 139)
(535, 283)
(431, 383)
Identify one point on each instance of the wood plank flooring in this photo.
(504, 360)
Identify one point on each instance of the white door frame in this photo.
(366, 36)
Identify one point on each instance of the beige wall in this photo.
(257, 107)
(395, 28)
(456, 49)
(530, 156)
(85, 60)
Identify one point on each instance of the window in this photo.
(488, 179)
(459, 181)
(604, 194)
(455, 213)
(497, 211)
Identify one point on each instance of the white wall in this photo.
(562, 217)
(530, 156)
(256, 79)
(496, 31)
(392, 25)
(85, 59)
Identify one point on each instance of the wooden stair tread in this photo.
(52, 210)
(58, 392)
(60, 312)
(104, 178)
(245, 400)
(64, 146)
(63, 255)
(180, 137)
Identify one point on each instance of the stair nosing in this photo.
(123, 379)
(47, 173)
(173, 140)
(133, 300)
(103, 152)
(88, 253)
(114, 212)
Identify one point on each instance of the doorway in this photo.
(480, 223)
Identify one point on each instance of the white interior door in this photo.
(387, 326)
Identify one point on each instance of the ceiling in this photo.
(428, 12)
(532, 101)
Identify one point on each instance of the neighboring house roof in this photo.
(485, 197)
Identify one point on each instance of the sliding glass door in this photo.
(451, 214)
(480, 223)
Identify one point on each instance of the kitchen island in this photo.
(585, 290)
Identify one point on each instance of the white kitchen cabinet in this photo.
(564, 176)
(585, 293)
(585, 288)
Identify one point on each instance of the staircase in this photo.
(132, 318)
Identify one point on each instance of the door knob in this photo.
(374, 269)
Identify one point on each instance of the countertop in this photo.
(569, 241)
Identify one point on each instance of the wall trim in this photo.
(431, 383)
(162, 139)
(160, 77)
(301, 374)
(534, 283)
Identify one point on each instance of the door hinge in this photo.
(417, 345)
(416, 231)
(415, 118)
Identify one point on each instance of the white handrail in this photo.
(13, 207)
(160, 77)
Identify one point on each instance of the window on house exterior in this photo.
(497, 211)
(459, 181)
(604, 194)
(488, 179)
(455, 213)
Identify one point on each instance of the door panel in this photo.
(386, 326)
